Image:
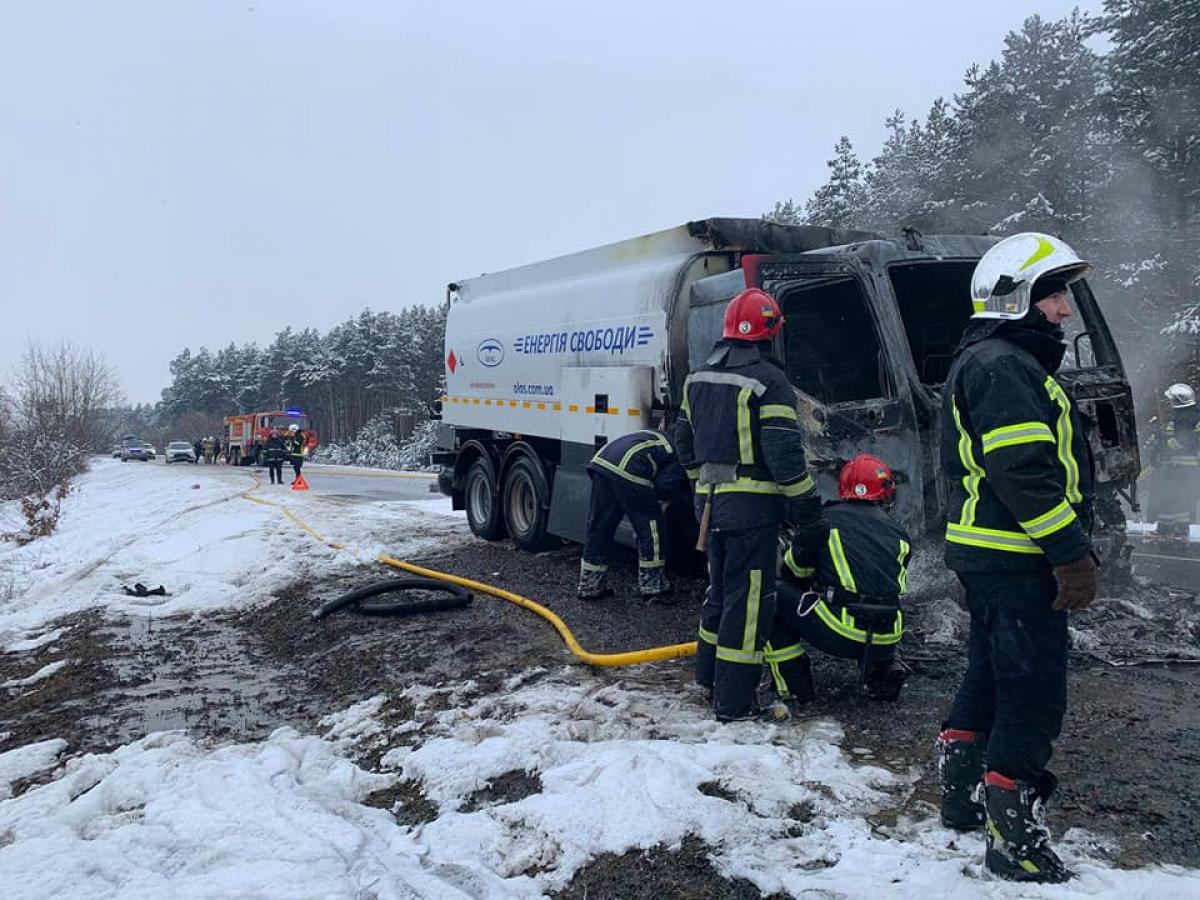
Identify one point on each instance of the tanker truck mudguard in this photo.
(547, 362)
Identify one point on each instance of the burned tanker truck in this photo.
(548, 361)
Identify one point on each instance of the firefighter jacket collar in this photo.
(729, 354)
(1041, 340)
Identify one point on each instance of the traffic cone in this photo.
(299, 484)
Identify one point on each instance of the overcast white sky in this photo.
(198, 172)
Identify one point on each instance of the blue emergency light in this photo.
(294, 412)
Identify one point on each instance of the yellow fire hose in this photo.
(628, 658)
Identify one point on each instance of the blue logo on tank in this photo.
(490, 353)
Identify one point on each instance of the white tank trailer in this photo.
(548, 361)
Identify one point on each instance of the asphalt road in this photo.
(338, 481)
(1175, 564)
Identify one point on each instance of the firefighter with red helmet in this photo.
(842, 596)
(738, 438)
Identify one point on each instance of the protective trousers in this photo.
(1015, 687)
(614, 498)
(737, 617)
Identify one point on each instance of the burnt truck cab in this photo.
(870, 333)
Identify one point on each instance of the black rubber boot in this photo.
(1018, 842)
(591, 584)
(885, 680)
(960, 761)
(653, 582)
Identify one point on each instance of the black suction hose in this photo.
(457, 598)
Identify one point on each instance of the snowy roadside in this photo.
(397, 795)
(611, 768)
(193, 533)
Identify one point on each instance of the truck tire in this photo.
(479, 493)
(526, 504)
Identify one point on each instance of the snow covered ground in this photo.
(619, 763)
(193, 532)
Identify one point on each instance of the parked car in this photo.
(180, 451)
(136, 450)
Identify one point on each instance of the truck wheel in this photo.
(483, 512)
(526, 505)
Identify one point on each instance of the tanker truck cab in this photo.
(601, 342)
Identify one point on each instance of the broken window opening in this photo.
(831, 351)
(935, 304)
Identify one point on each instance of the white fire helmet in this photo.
(1180, 396)
(1003, 282)
(293, 427)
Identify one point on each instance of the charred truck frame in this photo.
(547, 362)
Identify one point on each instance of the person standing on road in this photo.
(198, 446)
(1020, 475)
(738, 436)
(1175, 488)
(295, 449)
(216, 449)
(630, 476)
(274, 452)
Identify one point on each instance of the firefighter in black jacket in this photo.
(629, 476)
(737, 435)
(295, 449)
(1020, 476)
(846, 592)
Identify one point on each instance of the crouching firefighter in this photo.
(630, 476)
(843, 596)
(738, 437)
(1020, 479)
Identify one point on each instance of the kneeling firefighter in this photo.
(843, 597)
(737, 435)
(630, 476)
(1020, 480)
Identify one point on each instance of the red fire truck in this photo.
(246, 434)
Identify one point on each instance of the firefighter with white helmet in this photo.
(1020, 478)
(738, 437)
(1175, 488)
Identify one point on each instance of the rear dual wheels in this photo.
(526, 505)
(519, 508)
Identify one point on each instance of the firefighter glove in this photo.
(1076, 583)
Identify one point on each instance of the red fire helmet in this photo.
(866, 478)
(753, 315)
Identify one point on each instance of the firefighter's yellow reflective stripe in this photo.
(745, 434)
(692, 474)
(753, 600)
(593, 567)
(902, 559)
(796, 569)
(1022, 433)
(773, 668)
(617, 470)
(741, 486)
(783, 654)
(980, 305)
(798, 488)
(708, 637)
(638, 448)
(1044, 249)
(845, 576)
(990, 538)
(1047, 523)
(1066, 436)
(656, 561)
(975, 472)
(730, 379)
(777, 411)
(684, 405)
(845, 626)
(737, 656)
